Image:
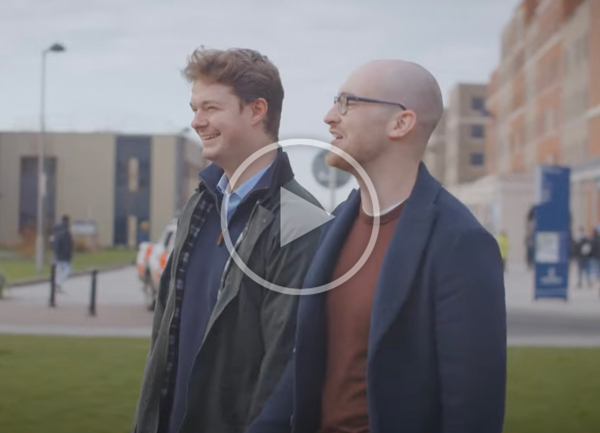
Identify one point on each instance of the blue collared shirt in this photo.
(236, 197)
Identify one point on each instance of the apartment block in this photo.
(109, 181)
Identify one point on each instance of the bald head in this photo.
(406, 83)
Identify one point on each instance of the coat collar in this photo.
(403, 257)
(278, 174)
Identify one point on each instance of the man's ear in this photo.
(259, 108)
(403, 123)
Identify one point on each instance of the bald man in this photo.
(415, 340)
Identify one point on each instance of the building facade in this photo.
(127, 187)
(435, 152)
(465, 131)
(543, 101)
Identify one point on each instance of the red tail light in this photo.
(148, 251)
(163, 261)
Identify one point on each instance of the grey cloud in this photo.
(121, 70)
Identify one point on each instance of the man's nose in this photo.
(199, 121)
(333, 116)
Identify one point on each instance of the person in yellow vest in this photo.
(502, 239)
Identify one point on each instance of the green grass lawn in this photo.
(23, 269)
(69, 385)
(74, 385)
(553, 390)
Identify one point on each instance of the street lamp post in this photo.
(41, 190)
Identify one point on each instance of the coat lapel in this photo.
(311, 338)
(333, 240)
(403, 256)
(326, 256)
(233, 275)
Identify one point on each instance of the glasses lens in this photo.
(342, 103)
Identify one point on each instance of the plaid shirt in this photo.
(202, 210)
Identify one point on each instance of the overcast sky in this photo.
(121, 70)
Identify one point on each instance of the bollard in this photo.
(52, 286)
(92, 311)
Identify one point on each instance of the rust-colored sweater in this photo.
(348, 306)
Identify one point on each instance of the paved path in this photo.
(121, 311)
(550, 322)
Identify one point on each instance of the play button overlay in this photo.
(299, 216)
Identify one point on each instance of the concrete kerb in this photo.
(80, 331)
(39, 280)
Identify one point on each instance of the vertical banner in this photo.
(552, 227)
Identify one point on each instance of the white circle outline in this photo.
(311, 290)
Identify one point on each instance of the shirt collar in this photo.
(276, 176)
(244, 189)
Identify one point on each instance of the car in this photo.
(151, 261)
(141, 261)
(158, 259)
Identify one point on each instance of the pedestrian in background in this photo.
(529, 239)
(585, 254)
(62, 245)
(504, 245)
(595, 260)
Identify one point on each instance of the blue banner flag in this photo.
(552, 232)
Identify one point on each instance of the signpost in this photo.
(552, 232)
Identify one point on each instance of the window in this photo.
(478, 103)
(133, 166)
(477, 131)
(520, 26)
(548, 121)
(477, 159)
(530, 86)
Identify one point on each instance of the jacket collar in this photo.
(278, 174)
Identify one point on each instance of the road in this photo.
(121, 311)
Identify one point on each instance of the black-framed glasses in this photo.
(342, 102)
